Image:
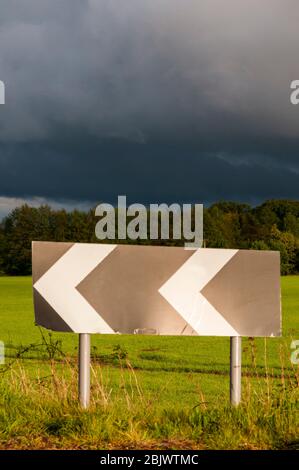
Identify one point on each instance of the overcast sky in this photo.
(161, 100)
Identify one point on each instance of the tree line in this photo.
(273, 225)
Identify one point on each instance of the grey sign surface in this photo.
(106, 288)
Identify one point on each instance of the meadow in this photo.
(147, 391)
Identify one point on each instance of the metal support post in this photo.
(84, 369)
(235, 369)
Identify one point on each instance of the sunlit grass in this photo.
(147, 392)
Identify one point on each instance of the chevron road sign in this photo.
(105, 288)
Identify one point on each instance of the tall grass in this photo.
(42, 411)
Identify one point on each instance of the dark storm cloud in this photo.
(152, 172)
(160, 100)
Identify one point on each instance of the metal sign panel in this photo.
(106, 288)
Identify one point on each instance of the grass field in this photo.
(146, 391)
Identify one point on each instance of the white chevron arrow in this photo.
(182, 291)
(58, 287)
